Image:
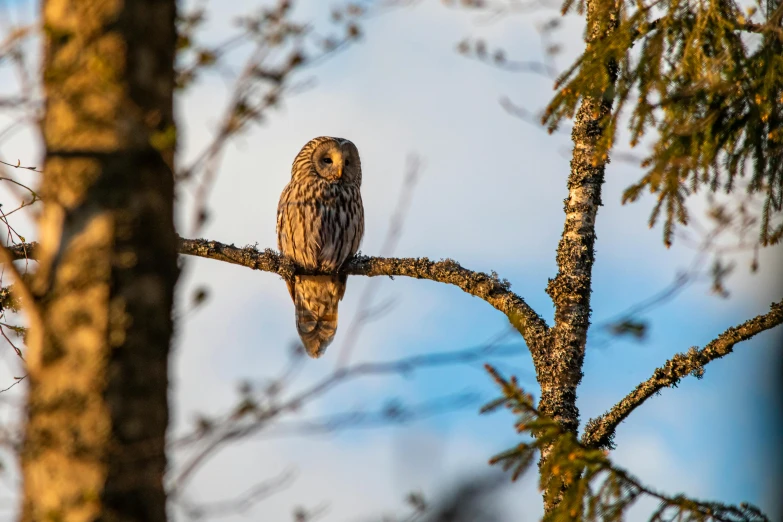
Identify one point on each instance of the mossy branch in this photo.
(488, 287)
(600, 431)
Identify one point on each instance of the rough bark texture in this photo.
(484, 286)
(599, 432)
(561, 372)
(571, 287)
(487, 287)
(94, 447)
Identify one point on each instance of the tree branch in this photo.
(600, 431)
(7, 255)
(23, 251)
(487, 287)
(239, 504)
(252, 416)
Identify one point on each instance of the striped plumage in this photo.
(320, 223)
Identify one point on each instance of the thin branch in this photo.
(24, 251)
(523, 114)
(773, 24)
(750, 27)
(516, 66)
(18, 380)
(20, 166)
(241, 503)
(600, 431)
(9, 341)
(497, 10)
(233, 428)
(392, 413)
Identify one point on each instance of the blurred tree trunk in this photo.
(98, 360)
(570, 289)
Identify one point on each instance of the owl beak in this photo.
(340, 171)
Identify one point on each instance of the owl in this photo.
(320, 224)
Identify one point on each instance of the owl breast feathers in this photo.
(320, 224)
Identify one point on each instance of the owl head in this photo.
(334, 159)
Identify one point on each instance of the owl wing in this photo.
(354, 231)
(354, 226)
(339, 228)
(288, 217)
(358, 223)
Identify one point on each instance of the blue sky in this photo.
(490, 196)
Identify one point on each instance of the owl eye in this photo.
(328, 161)
(347, 162)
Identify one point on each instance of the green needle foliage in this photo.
(590, 487)
(704, 81)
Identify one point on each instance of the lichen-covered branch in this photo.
(23, 251)
(487, 287)
(570, 289)
(600, 431)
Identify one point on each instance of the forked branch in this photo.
(600, 431)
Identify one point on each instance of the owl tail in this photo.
(316, 299)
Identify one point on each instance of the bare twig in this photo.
(600, 431)
(241, 503)
(9, 341)
(236, 425)
(392, 413)
(20, 166)
(20, 379)
(517, 66)
(492, 11)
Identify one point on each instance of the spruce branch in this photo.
(590, 486)
(599, 432)
(713, 102)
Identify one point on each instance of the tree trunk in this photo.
(98, 360)
(570, 289)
